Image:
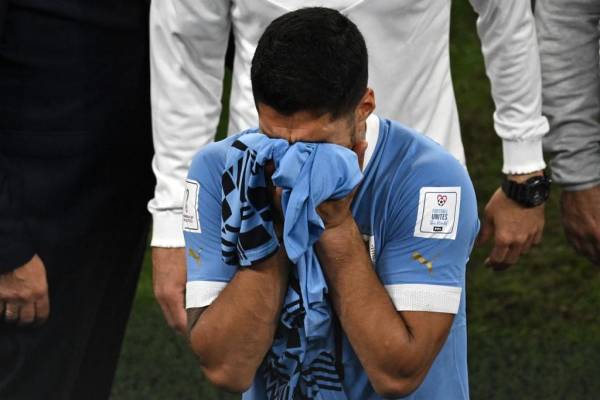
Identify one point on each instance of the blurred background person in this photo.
(409, 68)
(569, 34)
(75, 152)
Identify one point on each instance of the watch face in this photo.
(538, 192)
(537, 197)
(531, 193)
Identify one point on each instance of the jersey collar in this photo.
(371, 135)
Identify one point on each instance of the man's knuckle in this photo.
(23, 296)
(160, 296)
(503, 241)
(165, 296)
(521, 238)
(38, 294)
(494, 260)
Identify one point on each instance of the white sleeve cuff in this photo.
(420, 297)
(202, 293)
(522, 143)
(167, 229)
(522, 156)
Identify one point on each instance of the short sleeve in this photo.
(429, 234)
(207, 274)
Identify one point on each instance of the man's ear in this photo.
(366, 106)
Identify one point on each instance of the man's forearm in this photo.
(391, 355)
(235, 332)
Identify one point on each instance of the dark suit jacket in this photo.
(75, 136)
(3, 7)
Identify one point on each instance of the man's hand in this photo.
(169, 279)
(515, 228)
(24, 294)
(274, 194)
(581, 220)
(336, 212)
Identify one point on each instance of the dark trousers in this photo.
(75, 177)
(74, 355)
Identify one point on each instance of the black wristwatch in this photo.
(531, 193)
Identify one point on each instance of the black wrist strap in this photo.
(530, 193)
(512, 189)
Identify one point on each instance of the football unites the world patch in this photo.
(191, 222)
(438, 214)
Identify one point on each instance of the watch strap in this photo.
(520, 192)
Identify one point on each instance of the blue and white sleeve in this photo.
(207, 274)
(426, 244)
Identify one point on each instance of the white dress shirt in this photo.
(409, 70)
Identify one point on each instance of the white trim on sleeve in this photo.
(420, 297)
(202, 293)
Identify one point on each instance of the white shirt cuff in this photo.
(202, 293)
(167, 230)
(420, 297)
(522, 156)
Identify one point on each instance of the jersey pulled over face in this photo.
(416, 208)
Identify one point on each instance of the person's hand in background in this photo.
(580, 211)
(168, 281)
(24, 294)
(514, 227)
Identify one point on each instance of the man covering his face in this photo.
(327, 248)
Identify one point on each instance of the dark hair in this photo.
(312, 59)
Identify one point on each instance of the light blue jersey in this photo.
(417, 210)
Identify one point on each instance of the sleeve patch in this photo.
(439, 209)
(191, 221)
